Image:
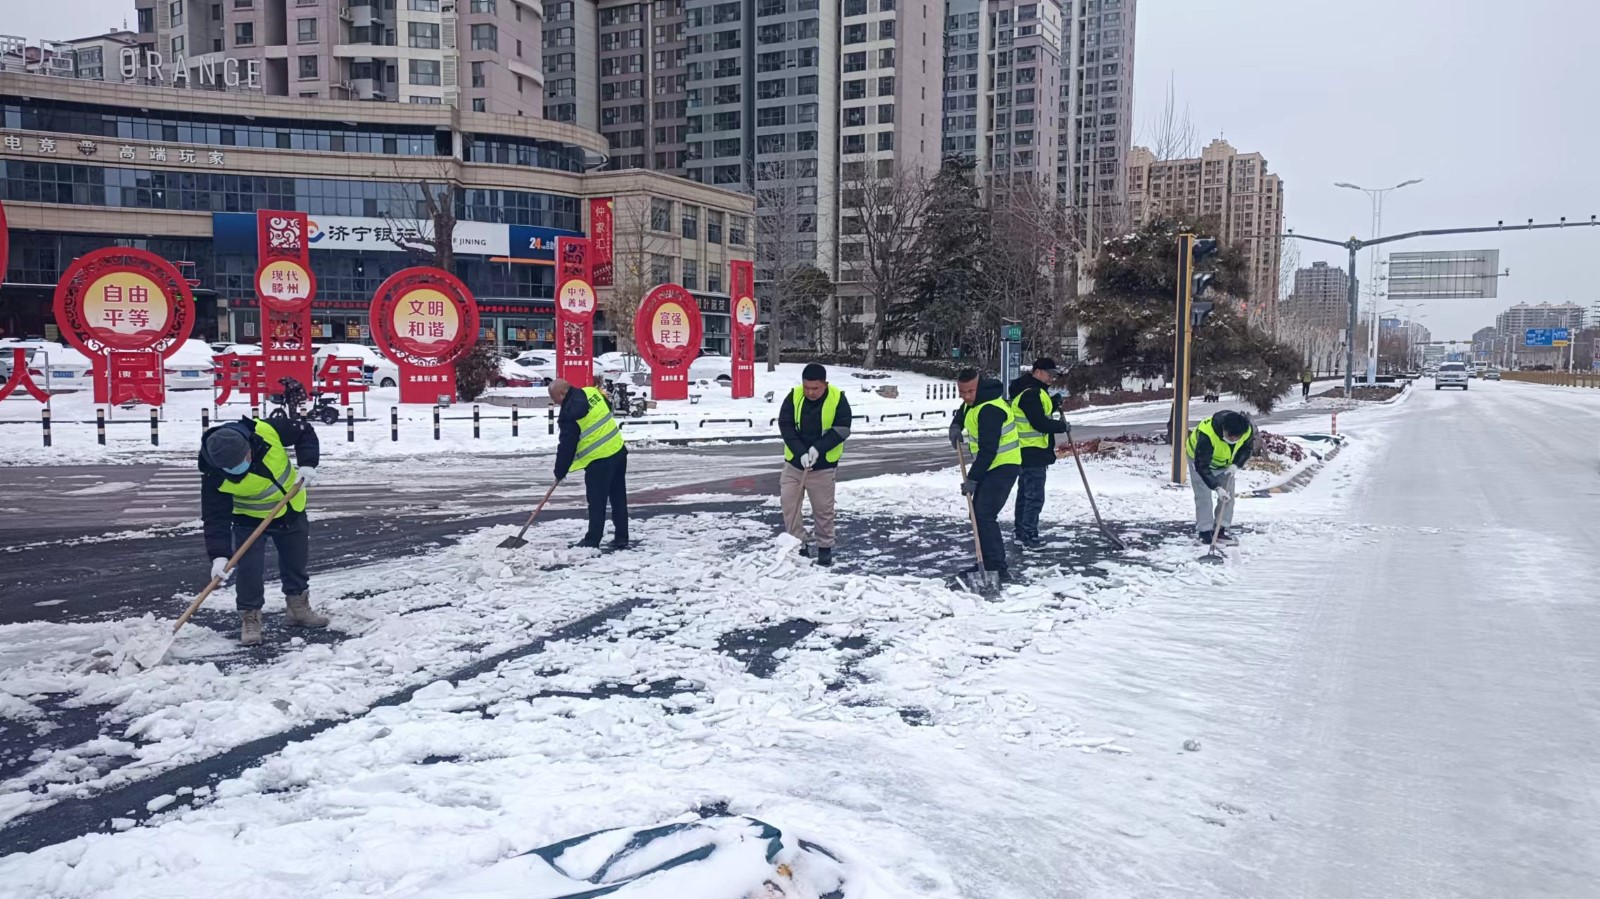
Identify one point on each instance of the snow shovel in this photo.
(982, 574)
(216, 582)
(1115, 540)
(517, 542)
(1213, 555)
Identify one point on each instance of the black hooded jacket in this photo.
(1028, 394)
(216, 507)
(991, 421)
(1242, 451)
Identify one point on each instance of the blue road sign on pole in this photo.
(1560, 336)
(1539, 337)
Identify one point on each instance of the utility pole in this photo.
(1376, 195)
(1355, 244)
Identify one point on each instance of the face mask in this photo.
(241, 468)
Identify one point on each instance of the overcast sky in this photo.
(1492, 102)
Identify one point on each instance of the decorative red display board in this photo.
(424, 319)
(742, 287)
(285, 287)
(667, 330)
(120, 300)
(575, 306)
(602, 235)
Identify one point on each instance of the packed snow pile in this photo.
(714, 858)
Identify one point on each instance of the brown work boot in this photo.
(301, 614)
(249, 627)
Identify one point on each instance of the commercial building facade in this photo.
(86, 165)
(1233, 187)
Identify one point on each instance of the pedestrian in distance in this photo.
(591, 441)
(988, 426)
(814, 422)
(1217, 446)
(1305, 383)
(1037, 428)
(245, 470)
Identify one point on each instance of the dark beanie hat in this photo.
(226, 447)
(814, 372)
(1044, 363)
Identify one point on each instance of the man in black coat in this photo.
(989, 428)
(814, 421)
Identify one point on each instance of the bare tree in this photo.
(424, 225)
(1171, 134)
(1036, 245)
(880, 216)
(791, 285)
(632, 275)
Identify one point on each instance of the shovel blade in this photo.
(513, 543)
(155, 658)
(1213, 559)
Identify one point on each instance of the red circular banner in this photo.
(284, 285)
(120, 299)
(667, 327)
(424, 317)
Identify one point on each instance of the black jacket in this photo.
(1027, 392)
(216, 508)
(1202, 450)
(990, 422)
(810, 433)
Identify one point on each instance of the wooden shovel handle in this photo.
(237, 555)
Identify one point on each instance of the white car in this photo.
(62, 367)
(191, 367)
(379, 372)
(544, 362)
(1450, 374)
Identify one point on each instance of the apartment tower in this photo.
(1096, 112)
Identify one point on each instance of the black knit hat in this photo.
(814, 372)
(226, 447)
(1231, 423)
(1044, 363)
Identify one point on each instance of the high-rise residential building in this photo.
(1321, 296)
(571, 65)
(479, 55)
(1096, 112)
(1515, 321)
(638, 48)
(1234, 188)
(1002, 66)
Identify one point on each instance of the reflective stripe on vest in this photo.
(830, 408)
(256, 494)
(599, 435)
(1221, 450)
(1025, 432)
(1009, 452)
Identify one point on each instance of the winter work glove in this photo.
(955, 434)
(219, 569)
(809, 459)
(1223, 496)
(969, 487)
(308, 475)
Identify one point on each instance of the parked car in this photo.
(29, 347)
(1450, 374)
(544, 362)
(515, 374)
(378, 371)
(192, 367)
(239, 349)
(62, 367)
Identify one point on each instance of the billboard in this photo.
(1444, 275)
(235, 232)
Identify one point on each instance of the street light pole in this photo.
(1376, 195)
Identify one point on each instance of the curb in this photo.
(1305, 476)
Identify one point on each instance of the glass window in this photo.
(691, 274)
(425, 72)
(305, 31)
(660, 214)
(485, 6)
(855, 62)
(485, 37)
(422, 5)
(244, 34)
(308, 67)
(424, 35)
(478, 77)
(175, 12)
(691, 222)
(738, 227)
(660, 269)
(713, 226)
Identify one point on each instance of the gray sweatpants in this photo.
(794, 487)
(1205, 501)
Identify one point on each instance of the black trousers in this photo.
(291, 534)
(1030, 501)
(987, 503)
(607, 480)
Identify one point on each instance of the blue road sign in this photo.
(1560, 336)
(1538, 337)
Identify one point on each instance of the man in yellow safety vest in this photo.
(1217, 446)
(814, 422)
(591, 442)
(245, 471)
(989, 427)
(1037, 428)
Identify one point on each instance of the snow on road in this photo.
(1390, 690)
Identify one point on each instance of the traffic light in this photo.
(1202, 250)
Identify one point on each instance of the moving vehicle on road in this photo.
(1492, 374)
(1450, 374)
